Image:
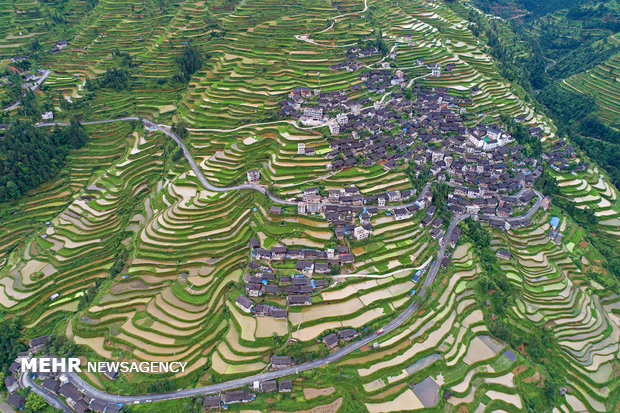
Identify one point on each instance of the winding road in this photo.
(89, 390)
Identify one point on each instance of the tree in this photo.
(35, 403)
(76, 134)
(10, 342)
(35, 46)
(189, 63)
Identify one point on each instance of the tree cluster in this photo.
(32, 156)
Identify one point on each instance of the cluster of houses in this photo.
(261, 280)
(331, 340)
(307, 261)
(349, 212)
(352, 62)
(221, 401)
(560, 155)
(55, 383)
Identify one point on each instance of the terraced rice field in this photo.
(600, 83)
(186, 248)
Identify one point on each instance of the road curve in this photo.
(25, 380)
(91, 391)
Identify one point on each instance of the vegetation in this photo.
(10, 342)
(32, 156)
(189, 63)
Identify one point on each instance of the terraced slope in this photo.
(169, 255)
(600, 83)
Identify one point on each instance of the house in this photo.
(80, 406)
(49, 115)
(97, 405)
(305, 267)
(285, 386)
(330, 340)
(301, 148)
(275, 210)
(334, 128)
(360, 233)
(276, 312)
(322, 267)
(113, 408)
(394, 196)
(278, 252)
(69, 391)
(110, 373)
(244, 303)
(254, 244)
(347, 334)
(11, 384)
(210, 402)
(253, 175)
(16, 401)
(436, 233)
(299, 299)
(52, 385)
(268, 386)
(237, 396)
(347, 258)
(436, 71)
(37, 343)
(281, 362)
(503, 254)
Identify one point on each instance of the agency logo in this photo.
(74, 365)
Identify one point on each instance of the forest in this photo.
(31, 156)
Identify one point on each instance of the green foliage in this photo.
(189, 63)
(440, 200)
(10, 342)
(61, 346)
(114, 78)
(380, 43)
(531, 145)
(567, 106)
(120, 259)
(35, 403)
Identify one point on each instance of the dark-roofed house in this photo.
(299, 299)
(237, 396)
(285, 386)
(112, 408)
(110, 373)
(347, 334)
(70, 391)
(51, 385)
(331, 340)
(16, 400)
(11, 384)
(281, 362)
(268, 386)
(37, 343)
(97, 405)
(503, 254)
(244, 303)
(80, 406)
(210, 402)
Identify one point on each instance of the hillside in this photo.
(135, 248)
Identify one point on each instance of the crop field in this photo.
(600, 83)
(168, 256)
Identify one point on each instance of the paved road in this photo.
(215, 388)
(25, 380)
(198, 171)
